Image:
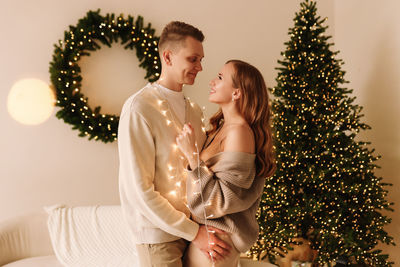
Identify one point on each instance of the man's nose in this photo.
(199, 67)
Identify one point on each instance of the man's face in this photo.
(186, 61)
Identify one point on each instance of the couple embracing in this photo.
(189, 196)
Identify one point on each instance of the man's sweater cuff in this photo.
(193, 230)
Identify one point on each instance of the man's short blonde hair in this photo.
(175, 32)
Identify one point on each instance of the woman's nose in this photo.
(212, 82)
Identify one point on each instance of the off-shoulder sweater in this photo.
(231, 194)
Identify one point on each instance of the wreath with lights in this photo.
(79, 41)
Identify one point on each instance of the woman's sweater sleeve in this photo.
(228, 188)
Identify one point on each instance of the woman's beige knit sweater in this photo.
(231, 194)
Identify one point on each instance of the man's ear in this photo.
(167, 57)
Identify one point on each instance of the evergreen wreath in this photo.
(65, 72)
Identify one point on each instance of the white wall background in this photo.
(48, 164)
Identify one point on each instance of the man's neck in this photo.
(169, 83)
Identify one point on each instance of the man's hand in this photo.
(218, 248)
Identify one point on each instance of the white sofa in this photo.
(25, 242)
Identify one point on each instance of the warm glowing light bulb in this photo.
(30, 101)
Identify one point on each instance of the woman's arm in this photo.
(230, 187)
(228, 190)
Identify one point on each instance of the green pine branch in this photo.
(324, 189)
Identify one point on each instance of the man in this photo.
(152, 184)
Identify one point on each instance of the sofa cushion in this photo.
(91, 236)
(43, 261)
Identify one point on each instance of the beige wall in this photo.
(368, 35)
(48, 164)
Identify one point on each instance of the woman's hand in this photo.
(186, 142)
(211, 244)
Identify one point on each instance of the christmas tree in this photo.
(324, 189)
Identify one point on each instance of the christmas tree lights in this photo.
(324, 189)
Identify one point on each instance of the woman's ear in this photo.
(237, 94)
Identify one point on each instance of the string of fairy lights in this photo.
(177, 168)
(324, 189)
(80, 40)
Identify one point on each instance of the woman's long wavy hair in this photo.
(254, 107)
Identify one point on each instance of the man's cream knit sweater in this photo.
(231, 193)
(151, 176)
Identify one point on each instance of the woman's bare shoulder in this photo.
(239, 138)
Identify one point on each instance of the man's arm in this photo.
(137, 169)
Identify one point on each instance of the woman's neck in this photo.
(231, 114)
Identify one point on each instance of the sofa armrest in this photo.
(24, 236)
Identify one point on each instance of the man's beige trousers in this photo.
(167, 254)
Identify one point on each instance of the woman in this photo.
(230, 172)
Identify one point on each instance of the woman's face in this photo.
(221, 86)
